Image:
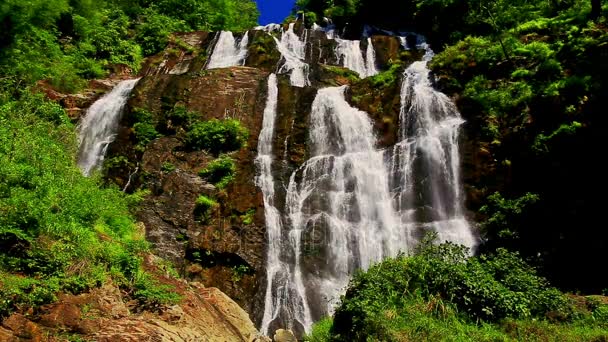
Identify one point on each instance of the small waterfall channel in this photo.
(228, 51)
(98, 127)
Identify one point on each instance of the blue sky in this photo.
(274, 11)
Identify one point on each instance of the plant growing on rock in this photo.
(144, 128)
(203, 207)
(217, 136)
(219, 172)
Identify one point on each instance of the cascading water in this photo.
(426, 162)
(98, 128)
(285, 295)
(293, 51)
(342, 193)
(228, 52)
(351, 55)
(352, 204)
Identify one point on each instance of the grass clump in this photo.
(203, 207)
(219, 172)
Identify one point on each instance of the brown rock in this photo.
(283, 335)
(63, 315)
(21, 327)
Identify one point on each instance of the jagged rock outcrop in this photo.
(203, 314)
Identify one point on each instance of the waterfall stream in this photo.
(426, 162)
(351, 55)
(293, 52)
(352, 204)
(98, 127)
(228, 52)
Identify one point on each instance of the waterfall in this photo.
(352, 204)
(228, 52)
(342, 193)
(283, 296)
(426, 161)
(349, 52)
(98, 128)
(293, 52)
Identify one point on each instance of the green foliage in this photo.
(342, 72)
(504, 216)
(321, 331)
(249, 216)
(529, 85)
(144, 128)
(67, 42)
(154, 32)
(177, 118)
(59, 231)
(488, 288)
(217, 136)
(389, 77)
(203, 207)
(542, 142)
(219, 172)
(239, 271)
(151, 294)
(167, 167)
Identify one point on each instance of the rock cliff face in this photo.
(228, 249)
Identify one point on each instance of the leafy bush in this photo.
(321, 331)
(219, 172)
(67, 42)
(144, 127)
(152, 294)
(217, 136)
(505, 217)
(167, 167)
(248, 218)
(487, 288)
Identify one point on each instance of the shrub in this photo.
(321, 331)
(487, 288)
(219, 172)
(180, 116)
(144, 127)
(203, 207)
(151, 294)
(217, 136)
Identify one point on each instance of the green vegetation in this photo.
(219, 172)
(248, 218)
(342, 72)
(217, 136)
(238, 272)
(179, 116)
(530, 79)
(534, 82)
(440, 293)
(167, 167)
(321, 331)
(144, 128)
(67, 42)
(203, 207)
(60, 231)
